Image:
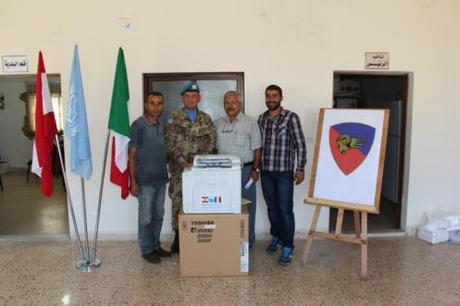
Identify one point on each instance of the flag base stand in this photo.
(84, 265)
(87, 266)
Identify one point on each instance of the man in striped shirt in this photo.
(284, 155)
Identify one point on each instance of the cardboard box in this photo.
(214, 244)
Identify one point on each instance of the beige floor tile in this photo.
(403, 271)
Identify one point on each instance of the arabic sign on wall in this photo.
(15, 63)
(377, 60)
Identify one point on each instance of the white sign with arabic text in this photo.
(377, 60)
(15, 63)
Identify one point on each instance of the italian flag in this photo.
(119, 126)
(45, 130)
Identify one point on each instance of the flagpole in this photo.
(119, 122)
(85, 224)
(69, 198)
(99, 203)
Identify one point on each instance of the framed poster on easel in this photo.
(347, 171)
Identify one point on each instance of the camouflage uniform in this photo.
(184, 140)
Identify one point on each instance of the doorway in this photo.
(24, 211)
(387, 91)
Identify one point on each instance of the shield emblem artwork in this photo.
(350, 143)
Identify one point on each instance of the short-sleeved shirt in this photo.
(149, 141)
(240, 137)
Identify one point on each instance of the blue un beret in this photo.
(192, 86)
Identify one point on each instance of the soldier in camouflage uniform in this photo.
(190, 132)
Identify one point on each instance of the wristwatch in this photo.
(256, 170)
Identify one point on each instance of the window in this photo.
(57, 107)
(212, 85)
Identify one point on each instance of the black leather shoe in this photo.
(162, 253)
(175, 244)
(152, 257)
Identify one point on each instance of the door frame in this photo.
(406, 98)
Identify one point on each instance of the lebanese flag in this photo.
(45, 131)
(119, 125)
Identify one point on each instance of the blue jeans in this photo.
(251, 195)
(278, 190)
(151, 211)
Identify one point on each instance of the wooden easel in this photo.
(360, 237)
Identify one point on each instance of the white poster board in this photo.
(348, 159)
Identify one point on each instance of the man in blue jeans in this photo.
(148, 176)
(284, 155)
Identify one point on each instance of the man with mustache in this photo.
(239, 135)
(284, 155)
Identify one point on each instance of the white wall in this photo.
(15, 147)
(297, 44)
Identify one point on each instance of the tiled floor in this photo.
(403, 271)
(24, 211)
